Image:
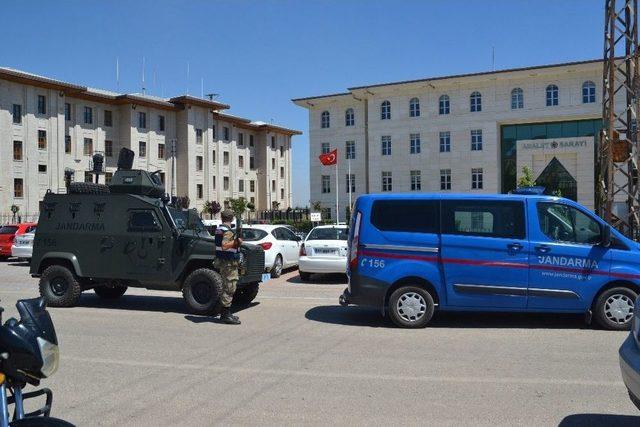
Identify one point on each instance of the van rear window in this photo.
(412, 216)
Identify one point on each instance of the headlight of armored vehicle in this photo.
(50, 356)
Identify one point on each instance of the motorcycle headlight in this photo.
(50, 357)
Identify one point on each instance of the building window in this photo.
(443, 104)
(416, 180)
(351, 183)
(88, 147)
(198, 136)
(325, 120)
(241, 185)
(386, 145)
(517, 99)
(273, 142)
(414, 143)
(282, 151)
(108, 148)
(161, 123)
(250, 140)
(161, 151)
(142, 149)
(42, 104)
(109, 175)
(385, 110)
(198, 163)
(445, 142)
(588, 92)
(213, 182)
(17, 114)
(350, 150)
(552, 95)
(67, 144)
(273, 185)
(88, 115)
(252, 186)
(273, 164)
(240, 138)
(42, 168)
(225, 158)
(325, 148)
(476, 140)
(475, 102)
(199, 191)
(252, 162)
(17, 151)
(213, 157)
(108, 118)
(349, 117)
(42, 139)
(476, 179)
(67, 112)
(326, 184)
(252, 200)
(414, 107)
(281, 172)
(18, 188)
(282, 194)
(386, 181)
(326, 213)
(225, 133)
(445, 179)
(88, 176)
(213, 131)
(142, 120)
(241, 162)
(225, 183)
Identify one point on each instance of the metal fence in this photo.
(10, 218)
(294, 215)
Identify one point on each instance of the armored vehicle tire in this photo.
(201, 290)
(276, 270)
(110, 291)
(614, 308)
(59, 287)
(411, 307)
(304, 276)
(246, 294)
(88, 188)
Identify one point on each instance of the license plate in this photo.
(325, 251)
(266, 277)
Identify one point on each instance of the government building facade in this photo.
(469, 133)
(49, 127)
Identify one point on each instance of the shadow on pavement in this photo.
(211, 319)
(19, 263)
(599, 420)
(320, 279)
(359, 316)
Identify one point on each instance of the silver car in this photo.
(630, 358)
(23, 246)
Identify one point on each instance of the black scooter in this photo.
(28, 353)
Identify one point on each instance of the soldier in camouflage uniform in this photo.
(227, 263)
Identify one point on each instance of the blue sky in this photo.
(259, 54)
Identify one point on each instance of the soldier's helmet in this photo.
(226, 215)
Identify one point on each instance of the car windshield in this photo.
(332, 233)
(8, 229)
(253, 234)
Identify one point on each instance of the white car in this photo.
(281, 246)
(22, 246)
(324, 251)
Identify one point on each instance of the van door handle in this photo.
(515, 247)
(543, 248)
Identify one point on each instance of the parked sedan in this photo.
(23, 245)
(8, 233)
(281, 246)
(324, 251)
(630, 357)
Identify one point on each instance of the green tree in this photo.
(526, 180)
(211, 207)
(238, 206)
(316, 206)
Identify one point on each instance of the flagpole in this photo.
(337, 193)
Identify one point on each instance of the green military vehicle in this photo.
(127, 234)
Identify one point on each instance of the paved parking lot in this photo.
(299, 358)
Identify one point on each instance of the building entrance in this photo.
(557, 180)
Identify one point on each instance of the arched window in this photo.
(517, 99)
(475, 102)
(588, 92)
(414, 107)
(325, 119)
(349, 117)
(385, 110)
(552, 95)
(443, 104)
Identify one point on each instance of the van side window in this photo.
(412, 216)
(485, 218)
(143, 221)
(563, 223)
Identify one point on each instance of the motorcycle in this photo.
(28, 353)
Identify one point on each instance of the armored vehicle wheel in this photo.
(88, 188)
(614, 308)
(110, 291)
(59, 287)
(411, 307)
(246, 294)
(201, 290)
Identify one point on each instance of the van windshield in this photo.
(328, 234)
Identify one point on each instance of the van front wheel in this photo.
(411, 307)
(614, 308)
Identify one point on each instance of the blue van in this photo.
(412, 254)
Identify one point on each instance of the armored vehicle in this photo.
(127, 234)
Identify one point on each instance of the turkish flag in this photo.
(330, 158)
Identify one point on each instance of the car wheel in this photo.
(112, 290)
(276, 270)
(614, 308)
(246, 294)
(59, 287)
(411, 307)
(304, 276)
(201, 291)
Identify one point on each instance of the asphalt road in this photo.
(299, 358)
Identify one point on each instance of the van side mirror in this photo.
(605, 240)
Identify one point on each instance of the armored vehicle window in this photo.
(485, 218)
(143, 221)
(253, 234)
(412, 216)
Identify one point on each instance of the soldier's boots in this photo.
(228, 318)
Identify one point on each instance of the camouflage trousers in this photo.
(229, 272)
